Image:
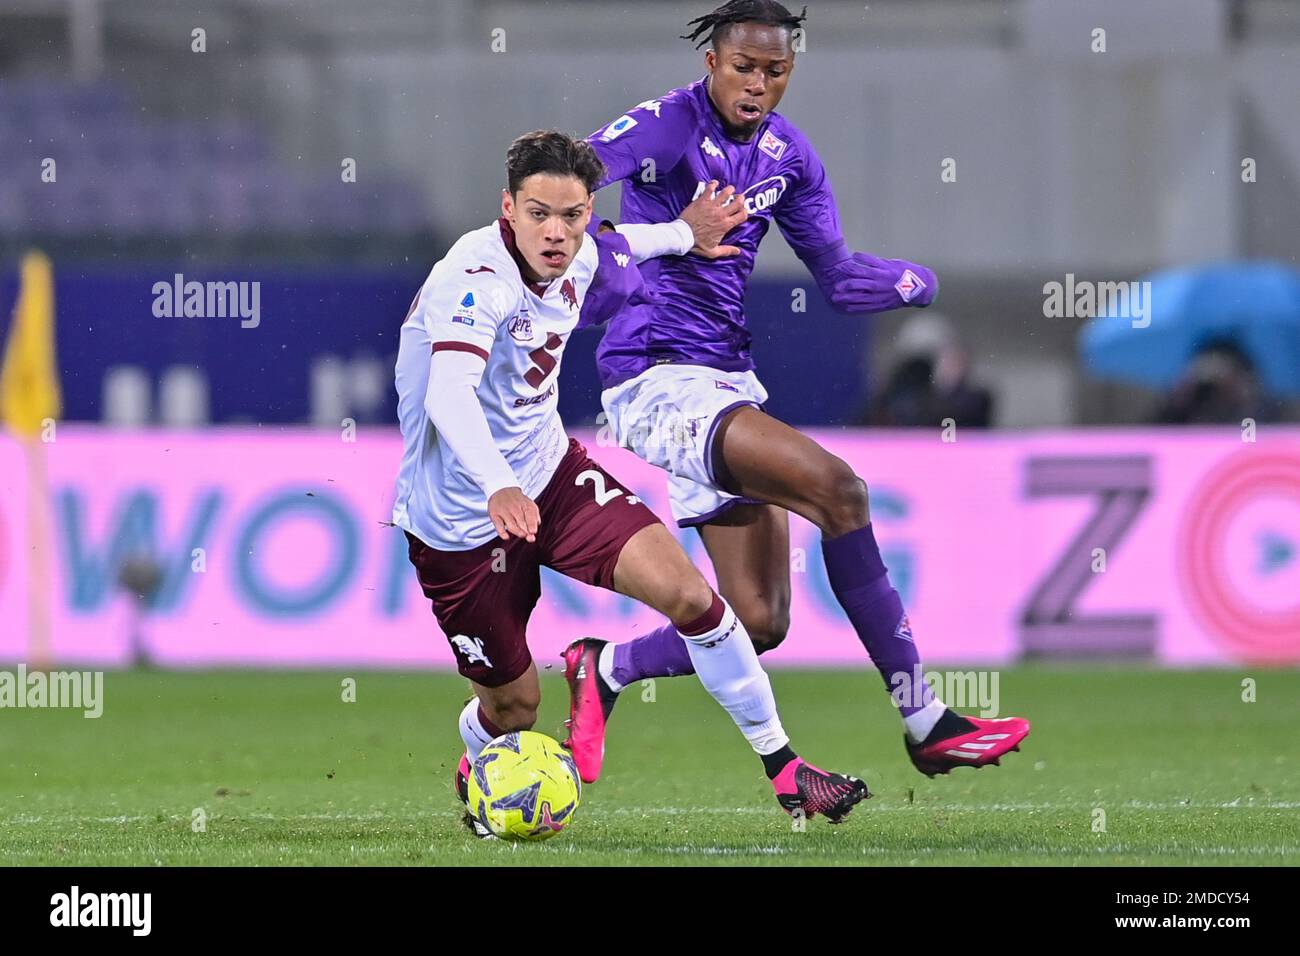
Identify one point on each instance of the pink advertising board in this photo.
(1181, 547)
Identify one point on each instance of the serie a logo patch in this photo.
(617, 128)
(464, 313)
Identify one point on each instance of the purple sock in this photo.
(661, 653)
(860, 581)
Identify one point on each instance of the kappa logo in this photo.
(481, 269)
(771, 145)
(617, 128)
(725, 386)
(521, 328)
(652, 106)
(909, 286)
(622, 258)
(472, 648)
(710, 148)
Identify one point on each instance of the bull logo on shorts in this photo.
(472, 648)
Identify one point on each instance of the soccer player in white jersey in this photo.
(491, 489)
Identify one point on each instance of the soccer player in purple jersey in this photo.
(680, 389)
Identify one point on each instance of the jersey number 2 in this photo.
(603, 496)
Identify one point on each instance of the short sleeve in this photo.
(655, 130)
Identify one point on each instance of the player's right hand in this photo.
(712, 216)
(514, 513)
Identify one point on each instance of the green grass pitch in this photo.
(286, 772)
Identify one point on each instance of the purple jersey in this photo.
(666, 150)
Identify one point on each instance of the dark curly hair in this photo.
(550, 151)
(714, 26)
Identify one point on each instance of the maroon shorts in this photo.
(483, 597)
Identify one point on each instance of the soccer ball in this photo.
(524, 786)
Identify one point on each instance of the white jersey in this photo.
(475, 300)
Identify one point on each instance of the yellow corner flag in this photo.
(29, 394)
(29, 380)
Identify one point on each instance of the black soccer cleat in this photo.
(801, 786)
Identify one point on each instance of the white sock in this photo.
(605, 665)
(919, 724)
(472, 731)
(727, 665)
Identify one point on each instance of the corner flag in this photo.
(29, 380)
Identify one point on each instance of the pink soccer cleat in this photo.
(591, 701)
(801, 786)
(967, 742)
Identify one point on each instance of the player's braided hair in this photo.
(712, 27)
(550, 151)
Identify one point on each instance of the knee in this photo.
(839, 499)
(688, 599)
(766, 624)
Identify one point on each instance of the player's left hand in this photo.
(513, 513)
(866, 283)
(714, 214)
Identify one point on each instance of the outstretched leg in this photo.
(760, 457)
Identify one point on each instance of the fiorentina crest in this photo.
(904, 630)
(909, 285)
